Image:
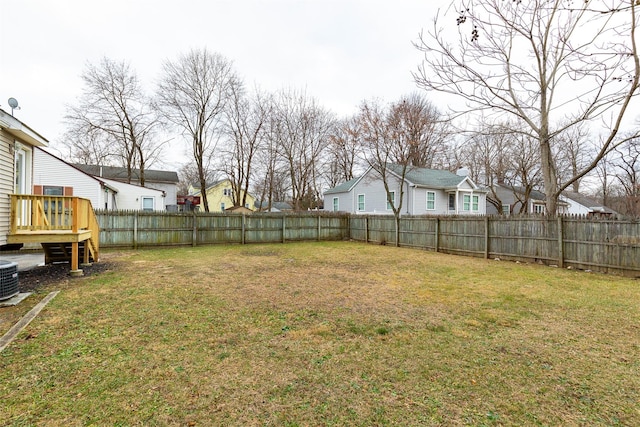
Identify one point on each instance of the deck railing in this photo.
(37, 213)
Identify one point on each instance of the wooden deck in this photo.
(62, 225)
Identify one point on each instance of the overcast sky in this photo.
(340, 51)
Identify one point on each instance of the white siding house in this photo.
(134, 197)
(579, 204)
(54, 176)
(17, 142)
(426, 192)
(165, 181)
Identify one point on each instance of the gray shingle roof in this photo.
(424, 177)
(342, 188)
(587, 201)
(120, 174)
(433, 178)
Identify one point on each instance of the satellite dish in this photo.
(13, 103)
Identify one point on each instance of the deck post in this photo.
(75, 271)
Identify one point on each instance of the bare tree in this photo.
(113, 119)
(246, 117)
(572, 151)
(388, 155)
(552, 65)
(628, 175)
(342, 154)
(301, 131)
(417, 124)
(89, 148)
(488, 155)
(192, 94)
(605, 175)
(270, 182)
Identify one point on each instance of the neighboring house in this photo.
(166, 181)
(276, 207)
(514, 200)
(17, 142)
(579, 204)
(426, 192)
(238, 210)
(134, 197)
(220, 197)
(54, 177)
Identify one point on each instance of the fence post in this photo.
(243, 217)
(437, 237)
(486, 237)
(135, 230)
(560, 242)
(283, 227)
(194, 231)
(366, 229)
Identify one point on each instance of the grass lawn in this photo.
(334, 333)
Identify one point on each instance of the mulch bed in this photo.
(43, 276)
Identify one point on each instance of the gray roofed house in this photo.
(166, 181)
(515, 200)
(579, 204)
(426, 192)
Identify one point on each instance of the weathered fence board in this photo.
(585, 243)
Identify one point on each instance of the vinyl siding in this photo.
(49, 170)
(375, 194)
(170, 190)
(129, 196)
(6, 184)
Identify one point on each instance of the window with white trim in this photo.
(391, 200)
(538, 208)
(475, 205)
(148, 203)
(336, 204)
(222, 206)
(431, 200)
(466, 202)
(506, 209)
(361, 202)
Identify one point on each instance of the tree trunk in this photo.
(549, 176)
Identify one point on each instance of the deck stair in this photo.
(66, 227)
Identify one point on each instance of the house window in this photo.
(336, 204)
(226, 192)
(506, 209)
(466, 202)
(48, 190)
(431, 200)
(53, 191)
(222, 206)
(391, 200)
(476, 203)
(452, 202)
(360, 202)
(148, 203)
(538, 208)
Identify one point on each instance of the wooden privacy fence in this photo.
(603, 245)
(136, 229)
(576, 242)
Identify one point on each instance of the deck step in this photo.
(61, 252)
